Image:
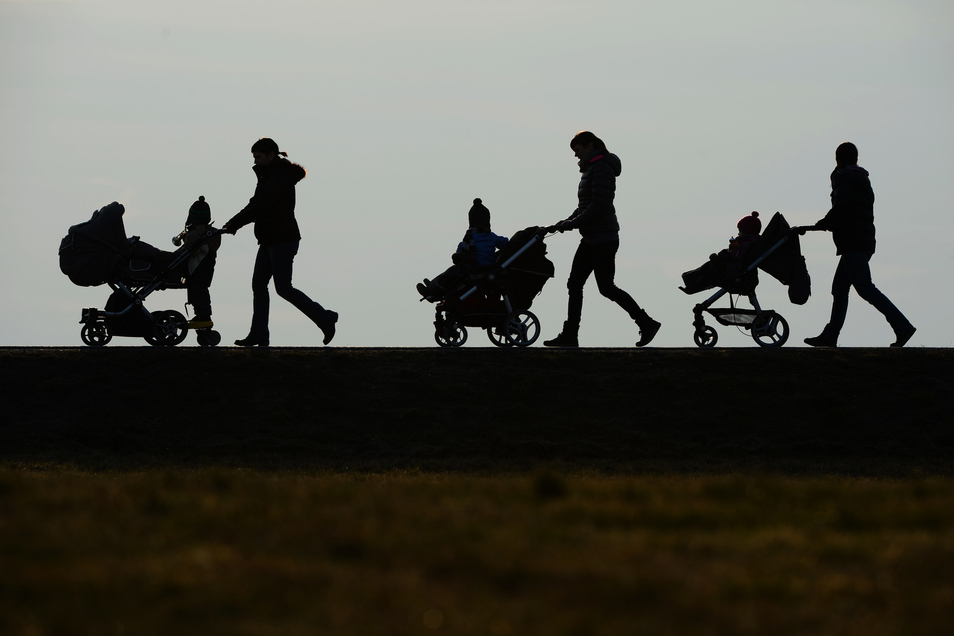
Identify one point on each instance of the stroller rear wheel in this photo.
(498, 336)
(770, 330)
(96, 334)
(169, 329)
(705, 337)
(522, 328)
(451, 334)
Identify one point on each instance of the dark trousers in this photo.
(598, 259)
(197, 287)
(853, 271)
(274, 262)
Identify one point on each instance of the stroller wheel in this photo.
(95, 335)
(451, 335)
(770, 330)
(208, 337)
(498, 337)
(169, 329)
(522, 328)
(705, 337)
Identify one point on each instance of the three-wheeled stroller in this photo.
(498, 298)
(98, 252)
(778, 253)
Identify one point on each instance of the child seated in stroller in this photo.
(200, 267)
(726, 268)
(476, 250)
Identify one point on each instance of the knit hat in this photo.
(750, 224)
(479, 216)
(199, 213)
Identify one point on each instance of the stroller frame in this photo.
(768, 327)
(505, 327)
(159, 328)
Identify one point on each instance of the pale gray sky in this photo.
(403, 112)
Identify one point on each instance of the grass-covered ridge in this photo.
(856, 412)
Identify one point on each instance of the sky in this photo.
(404, 111)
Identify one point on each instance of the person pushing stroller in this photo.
(475, 250)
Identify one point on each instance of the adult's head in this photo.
(265, 150)
(585, 143)
(846, 154)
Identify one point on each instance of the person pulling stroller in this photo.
(475, 250)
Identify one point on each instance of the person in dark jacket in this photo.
(595, 218)
(851, 222)
(272, 210)
(200, 268)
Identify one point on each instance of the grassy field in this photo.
(481, 491)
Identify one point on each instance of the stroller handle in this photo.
(801, 229)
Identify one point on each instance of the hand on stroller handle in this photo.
(801, 229)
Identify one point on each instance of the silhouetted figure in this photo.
(851, 222)
(475, 250)
(200, 268)
(595, 218)
(272, 209)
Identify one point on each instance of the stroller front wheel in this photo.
(705, 337)
(451, 334)
(95, 335)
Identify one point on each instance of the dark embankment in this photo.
(875, 412)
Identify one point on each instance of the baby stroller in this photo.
(776, 252)
(498, 298)
(98, 252)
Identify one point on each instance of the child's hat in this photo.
(479, 216)
(750, 224)
(199, 213)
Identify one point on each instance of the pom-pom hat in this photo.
(479, 216)
(750, 224)
(199, 213)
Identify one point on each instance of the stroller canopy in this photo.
(90, 251)
(786, 263)
(529, 272)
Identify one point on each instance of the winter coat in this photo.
(851, 218)
(272, 207)
(595, 216)
(480, 245)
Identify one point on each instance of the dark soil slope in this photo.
(876, 412)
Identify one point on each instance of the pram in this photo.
(777, 252)
(98, 252)
(498, 298)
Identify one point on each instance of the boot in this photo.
(647, 330)
(567, 338)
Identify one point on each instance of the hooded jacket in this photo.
(595, 215)
(851, 218)
(272, 207)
